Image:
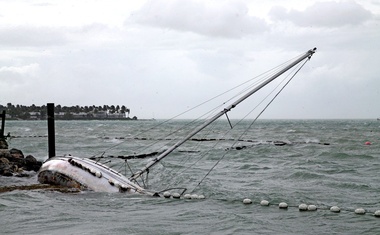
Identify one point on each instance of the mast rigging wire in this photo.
(221, 158)
(295, 71)
(250, 92)
(267, 74)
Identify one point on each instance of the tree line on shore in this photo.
(65, 112)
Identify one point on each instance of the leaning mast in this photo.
(137, 174)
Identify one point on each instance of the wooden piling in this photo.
(51, 129)
(2, 124)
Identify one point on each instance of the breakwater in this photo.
(14, 163)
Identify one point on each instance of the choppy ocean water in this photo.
(325, 163)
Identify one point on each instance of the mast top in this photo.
(312, 51)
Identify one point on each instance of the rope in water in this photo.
(27, 136)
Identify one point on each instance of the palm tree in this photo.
(112, 109)
(58, 108)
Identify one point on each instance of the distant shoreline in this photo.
(33, 112)
(84, 119)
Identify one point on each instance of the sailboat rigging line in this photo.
(184, 161)
(262, 111)
(142, 180)
(229, 90)
(268, 96)
(141, 150)
(178, 173)
(268, 73)
(98, 158)
(129, 167)
(188, 110)
(218, 115)
(158, 140)
(229, 122)
(146, 178)
(245, 131)
(189, 156)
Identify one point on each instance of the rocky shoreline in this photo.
(14, 163)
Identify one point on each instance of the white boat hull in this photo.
(83, 173)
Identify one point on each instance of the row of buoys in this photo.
(305, 207)
(98, 174)
(186, 196)
(83, 167)
(121, 187)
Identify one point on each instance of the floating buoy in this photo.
(283, 205)
(98, 174)
(335, 209)
(360, 211)
(247, 201)
(176, 195)
(187, 196)
(123, 188)
(167, 194)
(194, 196)
(377, 213)
(311, 207)
(264, 203)
(302, 207)
(367, 143)
(93, 172)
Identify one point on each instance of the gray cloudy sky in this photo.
(160, 57)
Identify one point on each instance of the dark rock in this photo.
(31, 163)
(30, 160)
(12, 162)
(5, 153)
(6, 172)
(5, 167)
(3, 160)
(3, 144)
(16, 153)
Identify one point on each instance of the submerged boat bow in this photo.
(83, 173)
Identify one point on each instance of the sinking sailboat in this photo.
(84, 173)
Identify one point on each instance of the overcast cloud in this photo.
(161, 57)
(324, 14)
